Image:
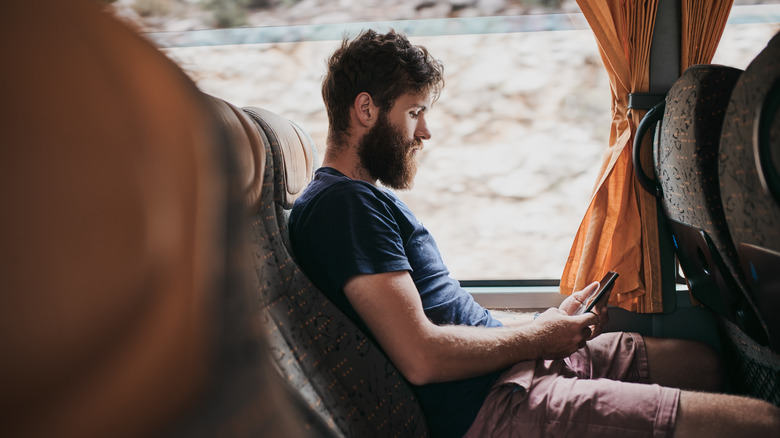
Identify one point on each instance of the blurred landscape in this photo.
(518, 133)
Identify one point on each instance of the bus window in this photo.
(518, 133)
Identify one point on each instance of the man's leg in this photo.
(683, 364)
(695, 366)
(703, 414)
(608, 406)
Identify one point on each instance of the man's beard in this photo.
(387, 156)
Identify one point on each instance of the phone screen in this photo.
(605, 285)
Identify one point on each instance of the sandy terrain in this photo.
(517, 134)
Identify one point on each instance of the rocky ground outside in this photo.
(518, 133)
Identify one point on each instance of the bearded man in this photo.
(474, 372)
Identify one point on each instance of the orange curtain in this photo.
(619, 230)
(702, 26)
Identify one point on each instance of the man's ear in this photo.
(365, 110)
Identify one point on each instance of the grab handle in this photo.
(649, 120)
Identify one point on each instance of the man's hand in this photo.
(559, 334)
(573, 302)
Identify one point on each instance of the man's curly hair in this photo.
(382, 65)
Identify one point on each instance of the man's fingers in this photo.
(583, 294)
(595, 331)
(587, 319)
(586, 332)
(604, 318)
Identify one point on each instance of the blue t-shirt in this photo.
(340, 228)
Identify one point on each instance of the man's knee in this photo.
(684, 364)
(707, 364)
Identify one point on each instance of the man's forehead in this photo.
(422, 100)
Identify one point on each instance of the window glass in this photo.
(517, 136)
(518, 133)
(187, 15)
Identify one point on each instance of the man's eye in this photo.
(414, 114)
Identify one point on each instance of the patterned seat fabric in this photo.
(752, 212)
(246, 397)
(753, 217)
(700, 204)
(343, 376)
(687, 170)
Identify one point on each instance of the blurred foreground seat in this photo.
(124, 307)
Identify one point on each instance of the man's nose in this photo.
(422, 132)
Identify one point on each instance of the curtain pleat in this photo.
(619, 229)
(702, 27)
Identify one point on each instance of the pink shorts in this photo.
(599, 391)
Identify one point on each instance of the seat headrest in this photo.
(293, 152)
(110, 237)
(248, 147)
(752, 211)
(687, 151)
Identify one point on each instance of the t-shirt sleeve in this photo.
(351, 231)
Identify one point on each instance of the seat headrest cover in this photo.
(111, 205)
(753, 213)
(298, 159)
(248, 145)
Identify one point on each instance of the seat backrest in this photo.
(686, 161)
(752, 210)
(247, 397)
(345, 378)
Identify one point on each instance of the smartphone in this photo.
(605, 285)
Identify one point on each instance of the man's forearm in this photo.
(457, 352)
(425, 353)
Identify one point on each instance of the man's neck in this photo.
(346, 161)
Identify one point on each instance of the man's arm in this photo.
(424, 353)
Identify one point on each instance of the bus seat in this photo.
(296, 161)
(689, 163)
(345, 378)
(123, 313)
(686, 161)
(246, 145)
(752, 210)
